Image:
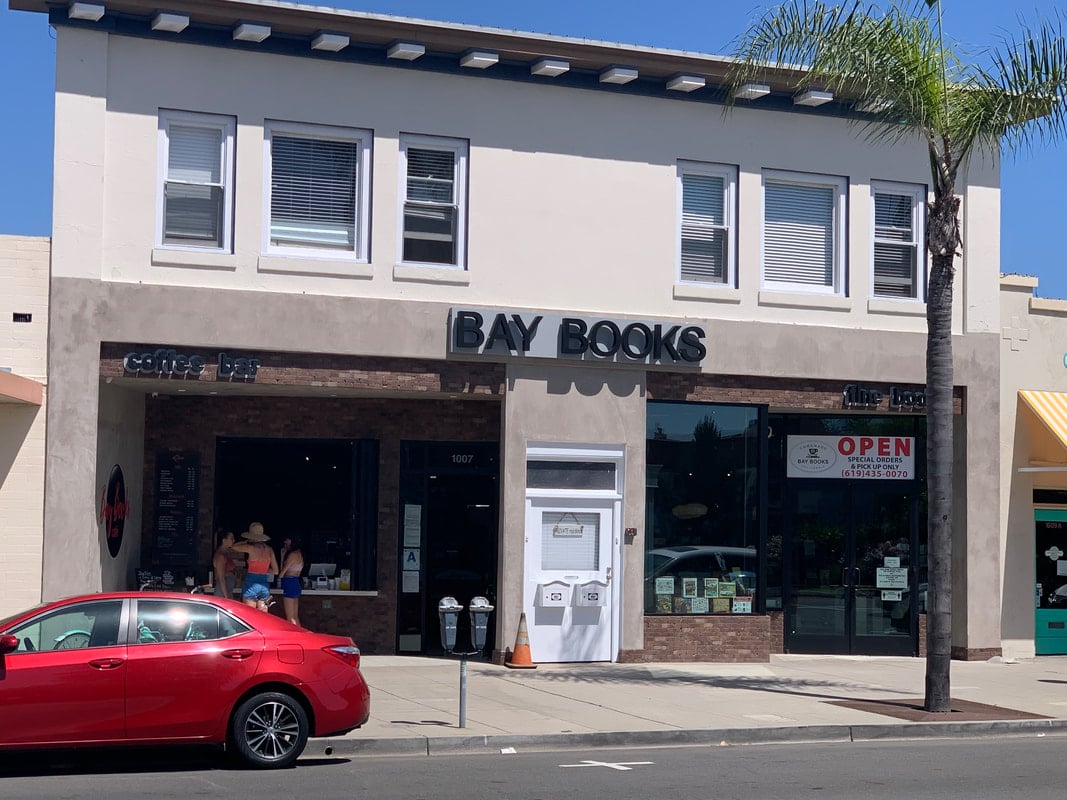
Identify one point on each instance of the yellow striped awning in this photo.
(1050, 408)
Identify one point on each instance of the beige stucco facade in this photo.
(1032, 457)
(23, 379)
(572, 209)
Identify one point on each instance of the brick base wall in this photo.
(733, 639)
(736, 638)
(975, 653)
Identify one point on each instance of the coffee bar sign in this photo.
(169, 362)
(488, 332)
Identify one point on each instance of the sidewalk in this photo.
(415, 703)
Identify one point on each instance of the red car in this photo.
(158, 667)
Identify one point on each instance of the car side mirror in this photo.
(8, 644)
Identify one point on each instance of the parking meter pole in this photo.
(463, 692)
(449, 609)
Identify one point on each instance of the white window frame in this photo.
(728, 174)
(603, 454)
(228, 126)
(363, 139)
(461, 149)
(917, 193)
(839, 185)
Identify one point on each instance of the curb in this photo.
(494, 743)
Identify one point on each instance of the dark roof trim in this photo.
(294, 26)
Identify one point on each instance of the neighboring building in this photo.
(23, 350)
(475, 311)
(1033, 435)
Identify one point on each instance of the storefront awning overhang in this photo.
(1048, 429)
(17, 389)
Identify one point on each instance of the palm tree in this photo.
(897, 59)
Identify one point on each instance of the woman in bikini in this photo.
(261, 565)
(222, 565)
(292, 566)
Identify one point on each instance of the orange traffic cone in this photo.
(520, 656)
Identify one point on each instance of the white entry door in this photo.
(569, 596)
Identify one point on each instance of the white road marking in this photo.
(622, 765)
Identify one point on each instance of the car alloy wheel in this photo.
(270, 730)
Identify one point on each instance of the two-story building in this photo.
(23, 381)
(481, 312)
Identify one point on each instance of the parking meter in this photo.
(448, 610)
(479, 610)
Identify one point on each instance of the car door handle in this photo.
(105, 663)
(237, 655)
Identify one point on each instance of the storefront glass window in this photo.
(702, 508)
(809, 503)
(321, 492)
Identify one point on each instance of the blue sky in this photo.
(1031, 181)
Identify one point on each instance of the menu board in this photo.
(177, 507)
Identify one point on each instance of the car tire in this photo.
(269, 730)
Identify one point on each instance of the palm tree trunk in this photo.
(943, 237)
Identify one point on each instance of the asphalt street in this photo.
(948, 769)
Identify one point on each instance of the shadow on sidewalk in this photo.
(637, 675)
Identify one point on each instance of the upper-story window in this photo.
(804, 232)
(434, 195)
(898, 252)
(196, 181)
(318, 179)
(706, 236)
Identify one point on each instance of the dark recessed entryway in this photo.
(316, 489)
(448, 538)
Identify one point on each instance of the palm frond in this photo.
(1023, 95)
(896, 56)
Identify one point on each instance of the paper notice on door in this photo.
(891, 578)
(410, 583)
(891, 594)
(1061, 567)
(412, 525)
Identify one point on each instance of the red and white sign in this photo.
(863, 457)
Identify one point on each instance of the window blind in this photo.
(193, 194)
(430, 213)
(895, 248)
(313, 192)
(431, 175)
(570, 541)
(798, 243)
(192, 215)
(194, 155)
(704, 233)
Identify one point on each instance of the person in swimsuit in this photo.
(262, 563)
(222, 565)
(292, 566)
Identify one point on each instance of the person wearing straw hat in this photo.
(262, 563)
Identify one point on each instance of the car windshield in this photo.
(656, 561)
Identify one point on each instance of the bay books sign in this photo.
(863, 457)
(496, 333)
